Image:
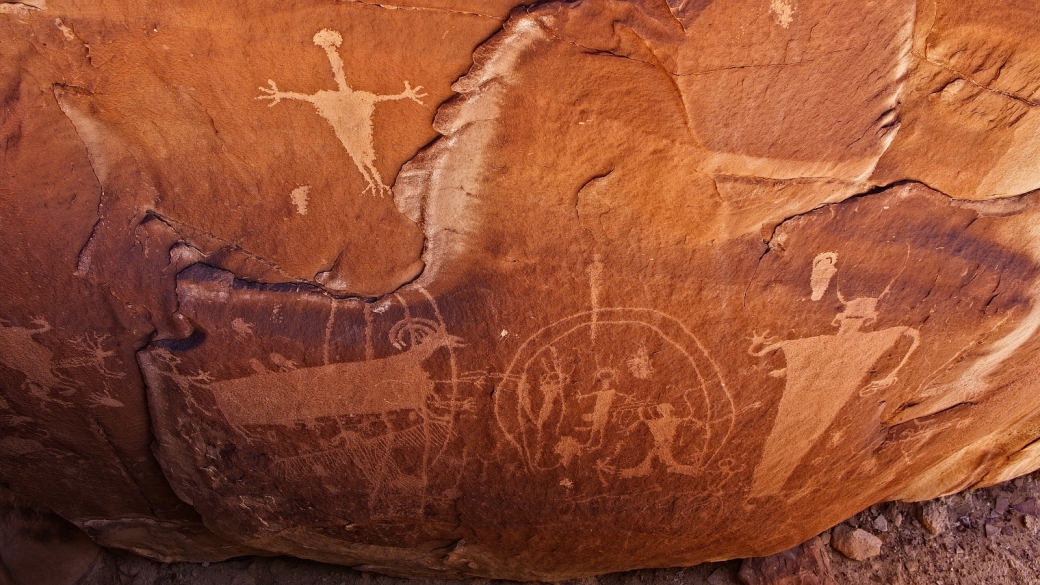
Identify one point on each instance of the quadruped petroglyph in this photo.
(385, 421)
(375, 386)
(823, 373)
(44, 373)
(621, 391)
(19, 351)
(347, 110)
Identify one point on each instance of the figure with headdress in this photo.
(823, 373)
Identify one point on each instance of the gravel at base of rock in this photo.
(962, 555)
(805, 564)
(855, 543)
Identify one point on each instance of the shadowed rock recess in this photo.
(447, 288)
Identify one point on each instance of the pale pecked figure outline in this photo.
(816, 390)
(347, 110)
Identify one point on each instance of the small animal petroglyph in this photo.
(65, 30)
(823, 373)
(783, 11)
(299, 198)
(241, 327)
(348, 111)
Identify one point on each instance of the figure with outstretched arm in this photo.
(823, 373)
(348, 111)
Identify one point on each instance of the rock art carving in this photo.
(367, 387)
(578, 382)
(299, 198)
(347, 110)
(783, 11)
(564, 435)
(823, 271)
(44, 373)
(19, 351)
(383, 420)
(817, 389)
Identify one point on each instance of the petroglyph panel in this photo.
(623, 392)
(444, 288)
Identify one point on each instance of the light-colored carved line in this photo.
(710, 420)
(454, 366)
(328, 331)
(700, 376)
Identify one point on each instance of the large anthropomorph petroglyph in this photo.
(347, 110)
(642, 277)
(822, 374)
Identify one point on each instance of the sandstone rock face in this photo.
(445, 287)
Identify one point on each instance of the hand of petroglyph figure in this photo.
(413, 94)
(276, 96)
(410, 93)
(42, 324)
(764, 341)
(272, 94)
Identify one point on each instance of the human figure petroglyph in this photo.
(823, 373)
(347, 110)
(663, 426)
(603, 400)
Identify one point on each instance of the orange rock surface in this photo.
(454, 288)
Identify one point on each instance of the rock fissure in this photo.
(968, 78)
(387, 6)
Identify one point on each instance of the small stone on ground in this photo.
(857, 544)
